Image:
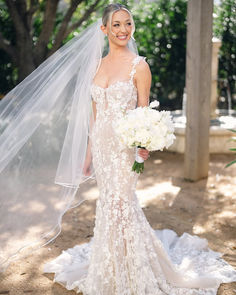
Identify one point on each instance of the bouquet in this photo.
(145, 127)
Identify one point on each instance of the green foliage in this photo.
(161, 37)
(6, 24)
(232, 149)
(8, 72)
(225, 29)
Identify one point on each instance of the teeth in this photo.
(122, 37)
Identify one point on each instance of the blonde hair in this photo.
(110, 9)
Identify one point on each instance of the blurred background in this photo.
(31, 30)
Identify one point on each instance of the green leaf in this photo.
(231, 163)
(138, 167)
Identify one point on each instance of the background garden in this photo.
(30, 31)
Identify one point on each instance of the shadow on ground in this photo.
(206, 208)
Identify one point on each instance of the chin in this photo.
(123, 44)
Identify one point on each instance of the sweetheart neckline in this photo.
(112, 84)
(125, 81)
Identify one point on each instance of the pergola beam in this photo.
(198, 85)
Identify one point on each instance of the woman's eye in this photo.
(117, 25)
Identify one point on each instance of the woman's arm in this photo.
(88, 158)
(94, 110)
(143, 79)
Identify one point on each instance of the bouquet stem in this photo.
(138, 165)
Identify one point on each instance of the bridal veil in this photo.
(45, 123)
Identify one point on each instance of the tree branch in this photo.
(60, 37)
(34, 5)
(83, 18)
(48, 25)
(24, 14)
(21, 7)
(63, 27)
(16, 18)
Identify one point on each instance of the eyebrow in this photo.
(119, 21)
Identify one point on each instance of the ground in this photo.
(206, 208)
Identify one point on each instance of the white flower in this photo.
(154, 104)
(146, 127)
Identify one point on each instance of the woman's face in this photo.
(121, 28)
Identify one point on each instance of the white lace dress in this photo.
(126, 256)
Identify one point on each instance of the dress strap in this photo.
(135, 61)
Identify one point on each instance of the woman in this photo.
(53, 138)
(126, 256)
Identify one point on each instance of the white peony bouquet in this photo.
(145, 127)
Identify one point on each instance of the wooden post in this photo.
(198, 85)
(216, 43)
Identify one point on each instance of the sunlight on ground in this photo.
(91, 193)
(205, 208)
(158, 190)
(228, 214)
(198, 229)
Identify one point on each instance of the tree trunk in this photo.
(26, 55)
(25, 58)
(25, 62)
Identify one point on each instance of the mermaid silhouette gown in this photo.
(126, 256)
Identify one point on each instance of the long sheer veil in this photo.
(45, 123)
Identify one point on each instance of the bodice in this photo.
(117, 97)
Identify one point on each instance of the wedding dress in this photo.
(126, 256)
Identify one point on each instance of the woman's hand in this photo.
(86, 169)
(88, 160)
(143, 153)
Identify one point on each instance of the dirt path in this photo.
(206, 208)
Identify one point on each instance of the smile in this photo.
(124, 37)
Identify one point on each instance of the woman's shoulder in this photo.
(142, 64)
(142, 69)
(137, 60)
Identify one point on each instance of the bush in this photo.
(225, 29)
(161, 36)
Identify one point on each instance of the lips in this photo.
(123, 37)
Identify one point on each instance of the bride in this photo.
(59, 131)
(125, 255)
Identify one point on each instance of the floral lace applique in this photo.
(126, 256)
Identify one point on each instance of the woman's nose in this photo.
(123, 29)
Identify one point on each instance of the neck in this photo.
(117, 51)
